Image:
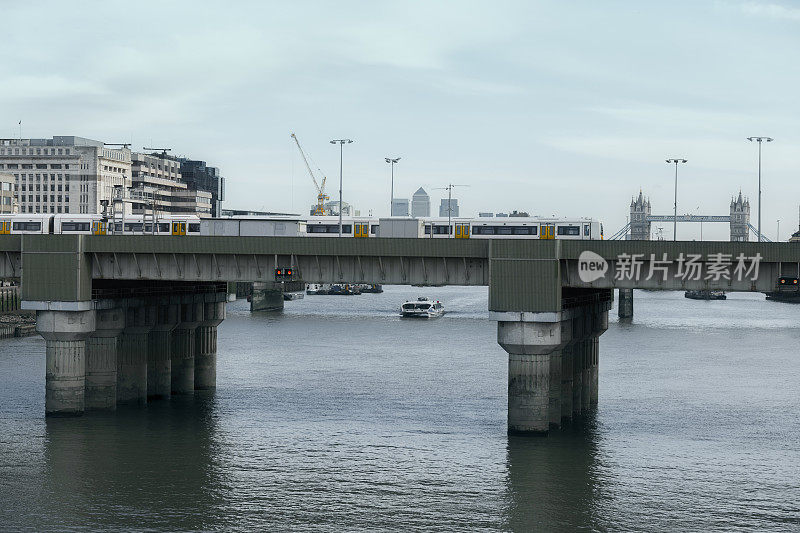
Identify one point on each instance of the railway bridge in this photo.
(127, 318)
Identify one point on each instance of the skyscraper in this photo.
(420, 204)
(443, 208)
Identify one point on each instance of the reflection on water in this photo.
(138, 467)
(552, 483)
(338, 415)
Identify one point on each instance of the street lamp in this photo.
(392, 161)
(449, 190)
(778, 236)
(675, 207)
(759, 140)
(341, 143)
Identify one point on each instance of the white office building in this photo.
(64, 174)
(400, 207)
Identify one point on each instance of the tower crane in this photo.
(319, 208)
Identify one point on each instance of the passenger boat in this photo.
(705, 295)
(422, 308)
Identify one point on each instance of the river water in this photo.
(338, 415)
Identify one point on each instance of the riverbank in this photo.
(17, 324)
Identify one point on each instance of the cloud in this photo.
(771, 10)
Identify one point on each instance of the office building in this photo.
(158, 187)
(453, 208)
(400, 207)
(199, 176)
(8, 203)
(65, 174)
(420, 204)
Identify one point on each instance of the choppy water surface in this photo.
(338, 415)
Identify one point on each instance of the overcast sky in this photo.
(563, 108)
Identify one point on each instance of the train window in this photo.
(442, 230)
(118, 226)
(148, 228)
(427, 230)
(27, 226)
(568, 230)
(333, 228)
(74, 226)
(194, 228)
(133, 226)
(317, 228)
(586, 231)
(504, 230)
(163, 227)
(522, 230)
(374, 229)
(346, 228)
(483, 230)
(533, 230)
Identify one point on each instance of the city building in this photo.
(8, 203)
(400, 207)
(64, 174)
(452, 208)
(640, 226)
(199, 176)
(420, 204)
(158, 188)
(740, 219)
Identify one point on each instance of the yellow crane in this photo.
(319, 208)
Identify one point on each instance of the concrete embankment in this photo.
(17, 324)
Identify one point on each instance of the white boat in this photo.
(422, 308)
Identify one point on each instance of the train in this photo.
(312, 226)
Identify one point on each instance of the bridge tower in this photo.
(740, 219)
(640, 226)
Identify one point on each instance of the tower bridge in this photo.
(131, 318)
(641, 218)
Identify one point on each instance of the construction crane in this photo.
(319, 208)
(162, 150)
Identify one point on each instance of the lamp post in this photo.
(675, 207)
(341, 143)
(392, 161)
(778, 236)
(759, 140)
(449, 190)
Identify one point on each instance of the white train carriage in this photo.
(87, 224)
(254, 226)
(328, 226)
(30, 224)
(178, 225)
(492, 228)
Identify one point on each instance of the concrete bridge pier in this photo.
(266, 296)
(205, 359)
(65, 333)
(625, 309)
(183, 344)
(586, 379)
(159, 350)
(530, 346)
(600, 327)
(132, 358)
(556, 368)
(101, 360)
